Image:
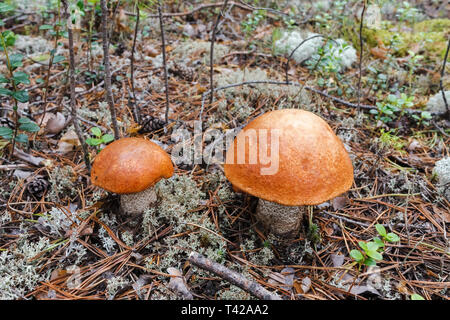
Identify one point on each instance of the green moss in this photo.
(433, 25)
(429, 35)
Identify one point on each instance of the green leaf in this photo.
(96, 132)
(4, 7)
(379, 242)
(357, 255)
(9, 37)
(21, 77)
(370, 262)
(381, 230)
(22, 138)
(392, 237)
(5, 92)
(363, 245)
(57, 59)
(45, 27)
(29, 127)
(3, 79)
(374, 254)
(16, 60)
(24, 120)
(21, 96)
(416, 296)
(107, 138)
(372, 246)
(6, 132)
(93, 141)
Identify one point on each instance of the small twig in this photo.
(135, 111)
(72, 90)
(109, 95)
(163, 41)
(232, 276)
(440, 80)
(211, 52)
(361, 42)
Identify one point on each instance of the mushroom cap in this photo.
(130, 165)
(313, 165)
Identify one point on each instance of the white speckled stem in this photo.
(281, 220)
(137, 203)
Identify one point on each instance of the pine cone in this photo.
(6, 122)
(182, 71)
(150, 124)
(37, 187)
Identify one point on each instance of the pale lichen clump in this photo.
(442, 171)
(179, 202)
(62, 180)
(18, 273)
(287, 96)
(185, 50)
(114, 285)
(436, 103)
(290, 40)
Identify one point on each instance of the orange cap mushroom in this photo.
(130, 165)
(313, 166)
(313, 163)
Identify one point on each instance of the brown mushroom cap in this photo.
(313, 163)
(130, 165)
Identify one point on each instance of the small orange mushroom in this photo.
(131, 167)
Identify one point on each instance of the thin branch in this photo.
(109, 96)
(232, 276)
(166, 81)
(72, 90)
(440, 80)
(135, 111)
(211, 53)
(361, 43)
(293, 51)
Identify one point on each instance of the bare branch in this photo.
(109, 96)
(166, 81)
(233, 277)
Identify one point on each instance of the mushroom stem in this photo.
(279, 219)
(137, 203)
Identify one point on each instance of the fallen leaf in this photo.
(68, 142)
(339, 202)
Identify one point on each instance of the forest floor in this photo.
(63, 238)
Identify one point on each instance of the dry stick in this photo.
(136, 114)
(211, 52)
(440, 80)
(233, 277)
(109, 96)
(72, 91)
(361, 42)
(166, 81)
(50, 64)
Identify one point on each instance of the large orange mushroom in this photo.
(313, 167)
(131, 167)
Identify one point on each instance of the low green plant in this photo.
(253, 21)
(372, 251)
(12, 87)
(99, 138)
(423, 118)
